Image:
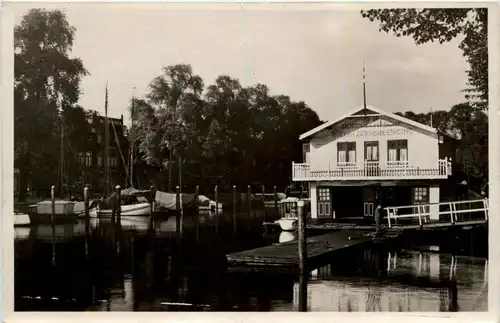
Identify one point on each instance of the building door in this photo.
(369, 199)
(324, 202)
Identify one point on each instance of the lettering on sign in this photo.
(375, 132)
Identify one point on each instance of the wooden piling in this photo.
(249, 201)
(265, 211)
(53, 225)
(197, 211)
(53, 199)
(152, 196)
(216, 191)
(302, 248)
(234, 209)
(118, 191)
(152, 192)
(86, 202)
(178, 216)
(275, 200)
(216, 208)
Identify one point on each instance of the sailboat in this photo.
(133, 202)
(64, 210)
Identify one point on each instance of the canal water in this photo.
(145, 266)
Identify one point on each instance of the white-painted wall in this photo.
(423, 147)
(314, 200)
(434, 198)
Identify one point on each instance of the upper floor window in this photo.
(305, 152)
(397, 150)
(112, 161)
(99, 160)
(88, 158)
(81, 158)
(346, 152)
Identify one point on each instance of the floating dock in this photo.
(284, 256)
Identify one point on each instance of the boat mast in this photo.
(61, 166)
(106, 143)
(132, 140)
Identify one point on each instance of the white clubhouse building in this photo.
(371, 156)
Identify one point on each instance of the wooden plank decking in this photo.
(285, 255)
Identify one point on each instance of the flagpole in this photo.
(364, 86)
(106, 143)
(431, 116)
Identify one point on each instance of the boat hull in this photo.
(21, 219)
(141, 209)
(288, 224)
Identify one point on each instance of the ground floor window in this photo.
(421, 196)
(324, 202)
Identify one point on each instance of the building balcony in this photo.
(369, 170)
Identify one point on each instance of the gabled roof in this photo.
(371, 110)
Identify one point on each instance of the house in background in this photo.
(371, 156)
(91, 154)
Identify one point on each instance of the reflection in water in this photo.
(142, 266)
(286, 236)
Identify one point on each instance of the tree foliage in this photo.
(443, 25)
(46, 83)
(224, 131)
(470, 127)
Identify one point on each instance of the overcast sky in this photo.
(315, 55)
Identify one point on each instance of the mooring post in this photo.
(234, 209)
(197, 200)
(87, 219)
(265, 211)
(53, 225)
(197, 210)
(118, 191)
(178, 215)
(249, 201)
(275, 200)
(216, 192)
(152, 197)
(302, 248)
(86, 202)
(53, 199)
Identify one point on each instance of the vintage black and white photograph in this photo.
(249, 157)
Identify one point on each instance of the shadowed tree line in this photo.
(46, 92)
(223, 134)
(470, 126)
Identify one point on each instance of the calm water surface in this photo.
(140, 266)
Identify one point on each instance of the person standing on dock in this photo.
(378, 219)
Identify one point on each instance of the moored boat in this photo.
(206, 204)
(41, 212)
(288, 210)
(137, 209)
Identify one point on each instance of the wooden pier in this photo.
(284, 256)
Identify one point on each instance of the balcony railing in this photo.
(369, 170)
